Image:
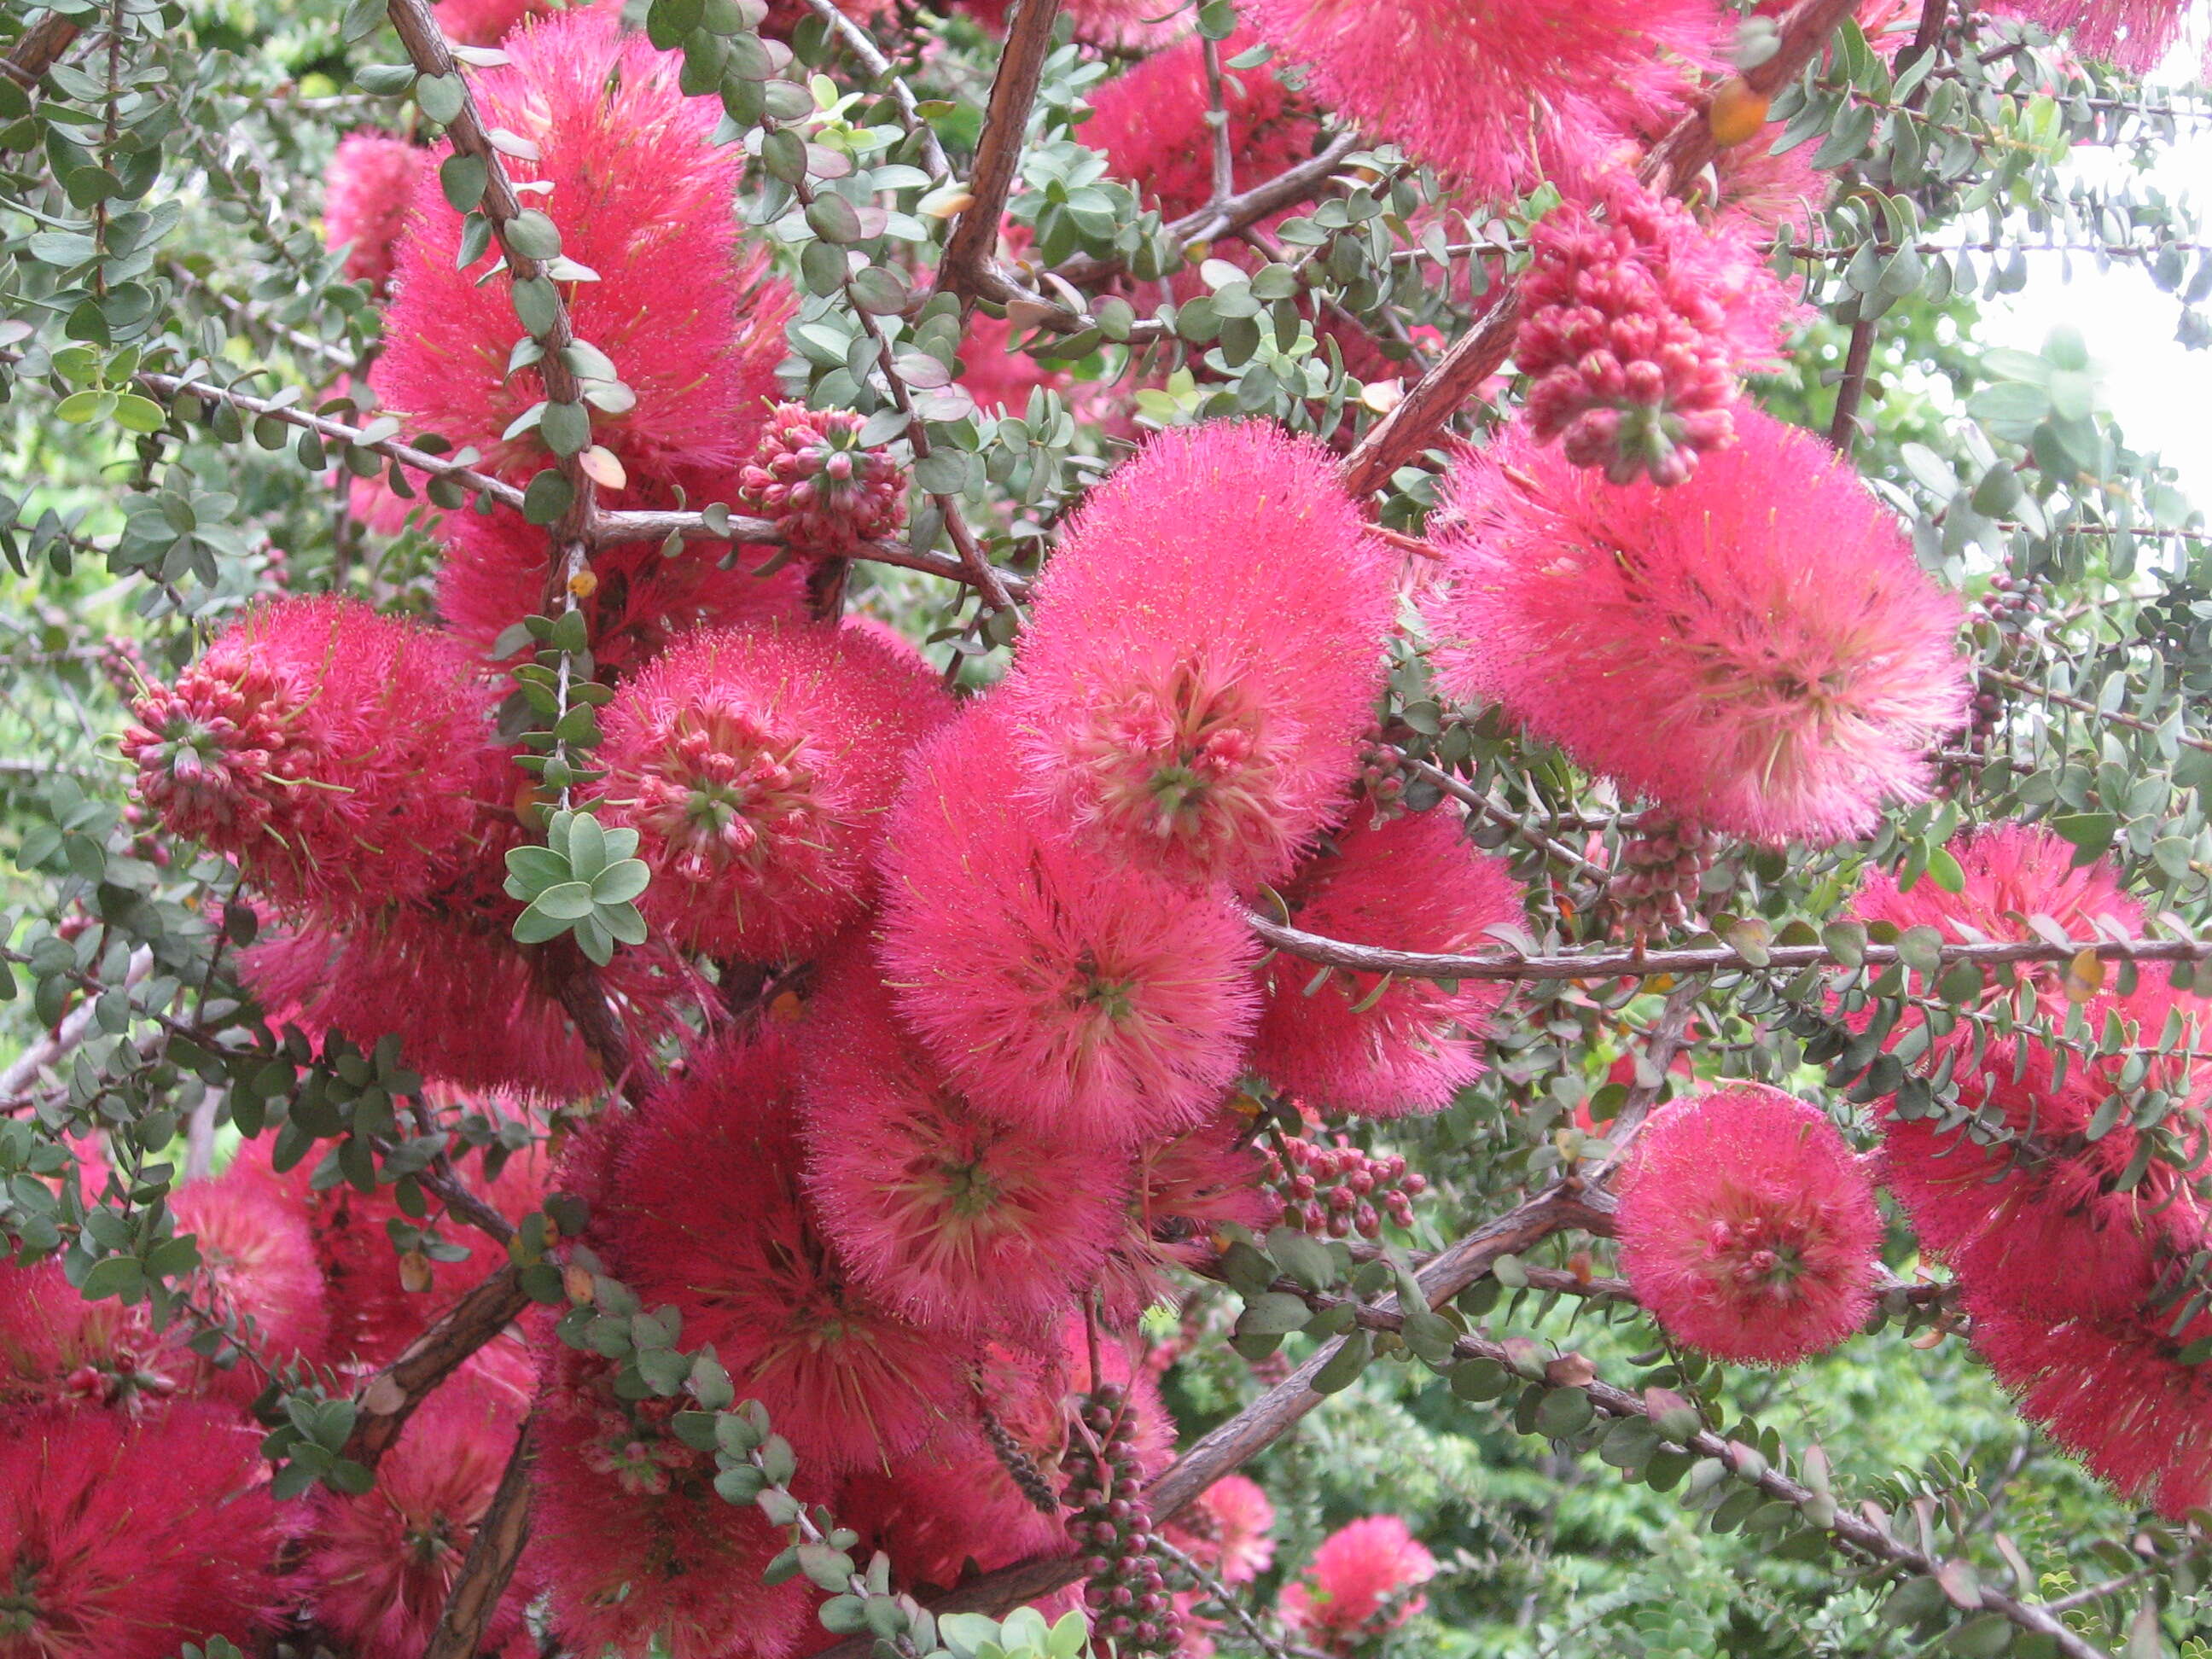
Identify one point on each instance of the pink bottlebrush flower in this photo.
(2012, 871)
(937, 1510)
(1352, 1046)
(642, 197)
(258, 1268)
(707, 1214)
(1357, 1584)
(57, 1348)
(2136, 34)
(379, 1567)
(1204, 652)
(486, 22)
(636, 1550)
(495, 568)
(1473, 88)
(1186, 1187)
(757, 764)
(1230, 1530)
(1747, 1228)
(1151, 124)
(124, 1540)
(366, 189)
(2114, 1392)
(961, 1222)
(1756, 649)
(1636, 326)
(1057, 988)
(813, 478)
(330, 751)
(2046, 1229)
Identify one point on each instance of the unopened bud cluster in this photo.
(1655, 884)
(1626, 335)
(1339, 1190)
(1382, 777)
(812, 475)
(1111, 1527)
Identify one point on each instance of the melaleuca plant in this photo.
(1008, 829)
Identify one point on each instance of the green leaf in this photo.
(532, 235)
(463, 179)
(1273, 1313)
(566, 428)
(82, 408)
(2091, 833)
(568, 901)
(834, 219)
(385, 80)
(441, 97)
(1345, 1364)
(136, 414)
(547, 497)
(620, 882)
(532, 869)
(534, 927)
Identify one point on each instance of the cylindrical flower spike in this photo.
(962, 1222)
(1204, 654)
(758, 765)
(1056, 987)
(330, 752)
(1478, 90)
(1756, 648)
(366, 191)
(1355, 1044)
(1747, 1228)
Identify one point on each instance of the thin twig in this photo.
(998, 152)
(1217, 115)
(1512, 965)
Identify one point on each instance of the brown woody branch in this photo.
(489, 1565)
(391, 1396)
(1514, 965)
(1006, 123)
(38, 47)
(1677, 159)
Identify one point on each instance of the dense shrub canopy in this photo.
(1276, 827)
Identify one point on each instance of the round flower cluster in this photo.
(1635, 327)
(1336, 1190)
(811, 476)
